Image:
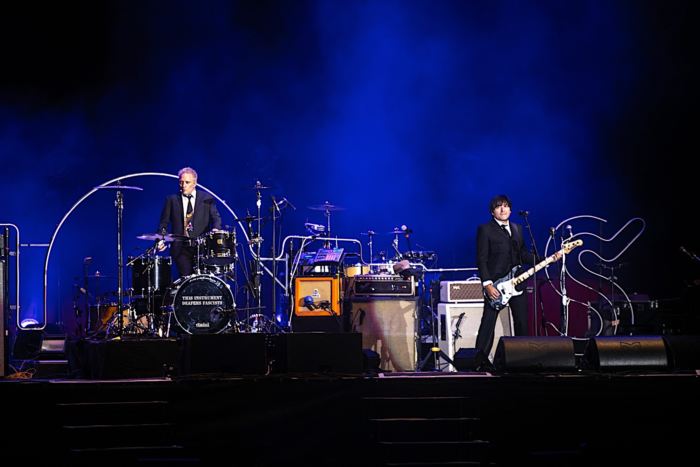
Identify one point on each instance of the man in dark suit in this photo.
(499, 248)
(190, 213)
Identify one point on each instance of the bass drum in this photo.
(200, 304)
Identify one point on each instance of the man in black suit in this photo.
(190, 213)
(499, 248)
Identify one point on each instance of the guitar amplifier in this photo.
(368, 285)
(461, 291)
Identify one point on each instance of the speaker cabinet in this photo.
(388, 327)
(459, 325)
(534, 354)
(322, 290)
(683, 352)
(238, 353)
(624, 353)
(317, 352)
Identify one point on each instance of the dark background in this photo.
(403, 112)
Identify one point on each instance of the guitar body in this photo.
(506, 284)
(507, 289)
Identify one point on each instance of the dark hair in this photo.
(499, 200)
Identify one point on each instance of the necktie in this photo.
(505, 230)
(188, 214)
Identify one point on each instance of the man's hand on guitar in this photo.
(492, 292)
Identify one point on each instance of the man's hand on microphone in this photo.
(160, 246)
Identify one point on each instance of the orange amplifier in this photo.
(317, 296)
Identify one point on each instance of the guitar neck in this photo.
(530, 272)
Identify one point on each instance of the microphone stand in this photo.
(533, 250)
(564, 321)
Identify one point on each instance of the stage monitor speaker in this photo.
(317, 352)
(238, 353)
(465, 359)
(683, 352)
(388, 326)
(459, 325)
(535, 354)
(325, 296)
(624, 353)
(130, 358)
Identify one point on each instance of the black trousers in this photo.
(518, 308)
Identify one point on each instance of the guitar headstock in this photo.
(567, 247)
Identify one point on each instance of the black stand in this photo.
(536, 254)
(435, 351)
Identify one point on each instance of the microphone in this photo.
(276, 204)
(285, 200)
(309, 303)
(552, 231)
(524, 213)
(571, 233)
(88, 259)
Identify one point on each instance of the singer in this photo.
(190, 214)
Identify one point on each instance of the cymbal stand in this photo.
(370, 236)
(257, 239)
(395, 244)
(119, 203)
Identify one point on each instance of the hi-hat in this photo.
(396, 231)
(325, 207)
(118, 187)
(164, 237)
(97, 275)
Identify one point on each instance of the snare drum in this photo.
(219, 247)
(150, 273)
(200, 304)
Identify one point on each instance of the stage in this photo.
(335, 410)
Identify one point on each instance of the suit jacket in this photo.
(205, 216)
(497, 252)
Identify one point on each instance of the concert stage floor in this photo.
(307, 418)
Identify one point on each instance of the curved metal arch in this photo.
(87, 195)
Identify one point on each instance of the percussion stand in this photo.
(119, 203)
(257, 239)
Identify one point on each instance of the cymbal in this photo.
(260, 186)
(157, 236)
(395, 232)
(118, 187)
(98, 276)
(325, 207)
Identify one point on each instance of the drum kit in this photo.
(198, 303)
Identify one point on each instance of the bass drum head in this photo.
(201, 304)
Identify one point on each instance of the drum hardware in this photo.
(119, 204)
(327, 208)
(161, 237)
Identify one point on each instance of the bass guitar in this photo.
(506, 284)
